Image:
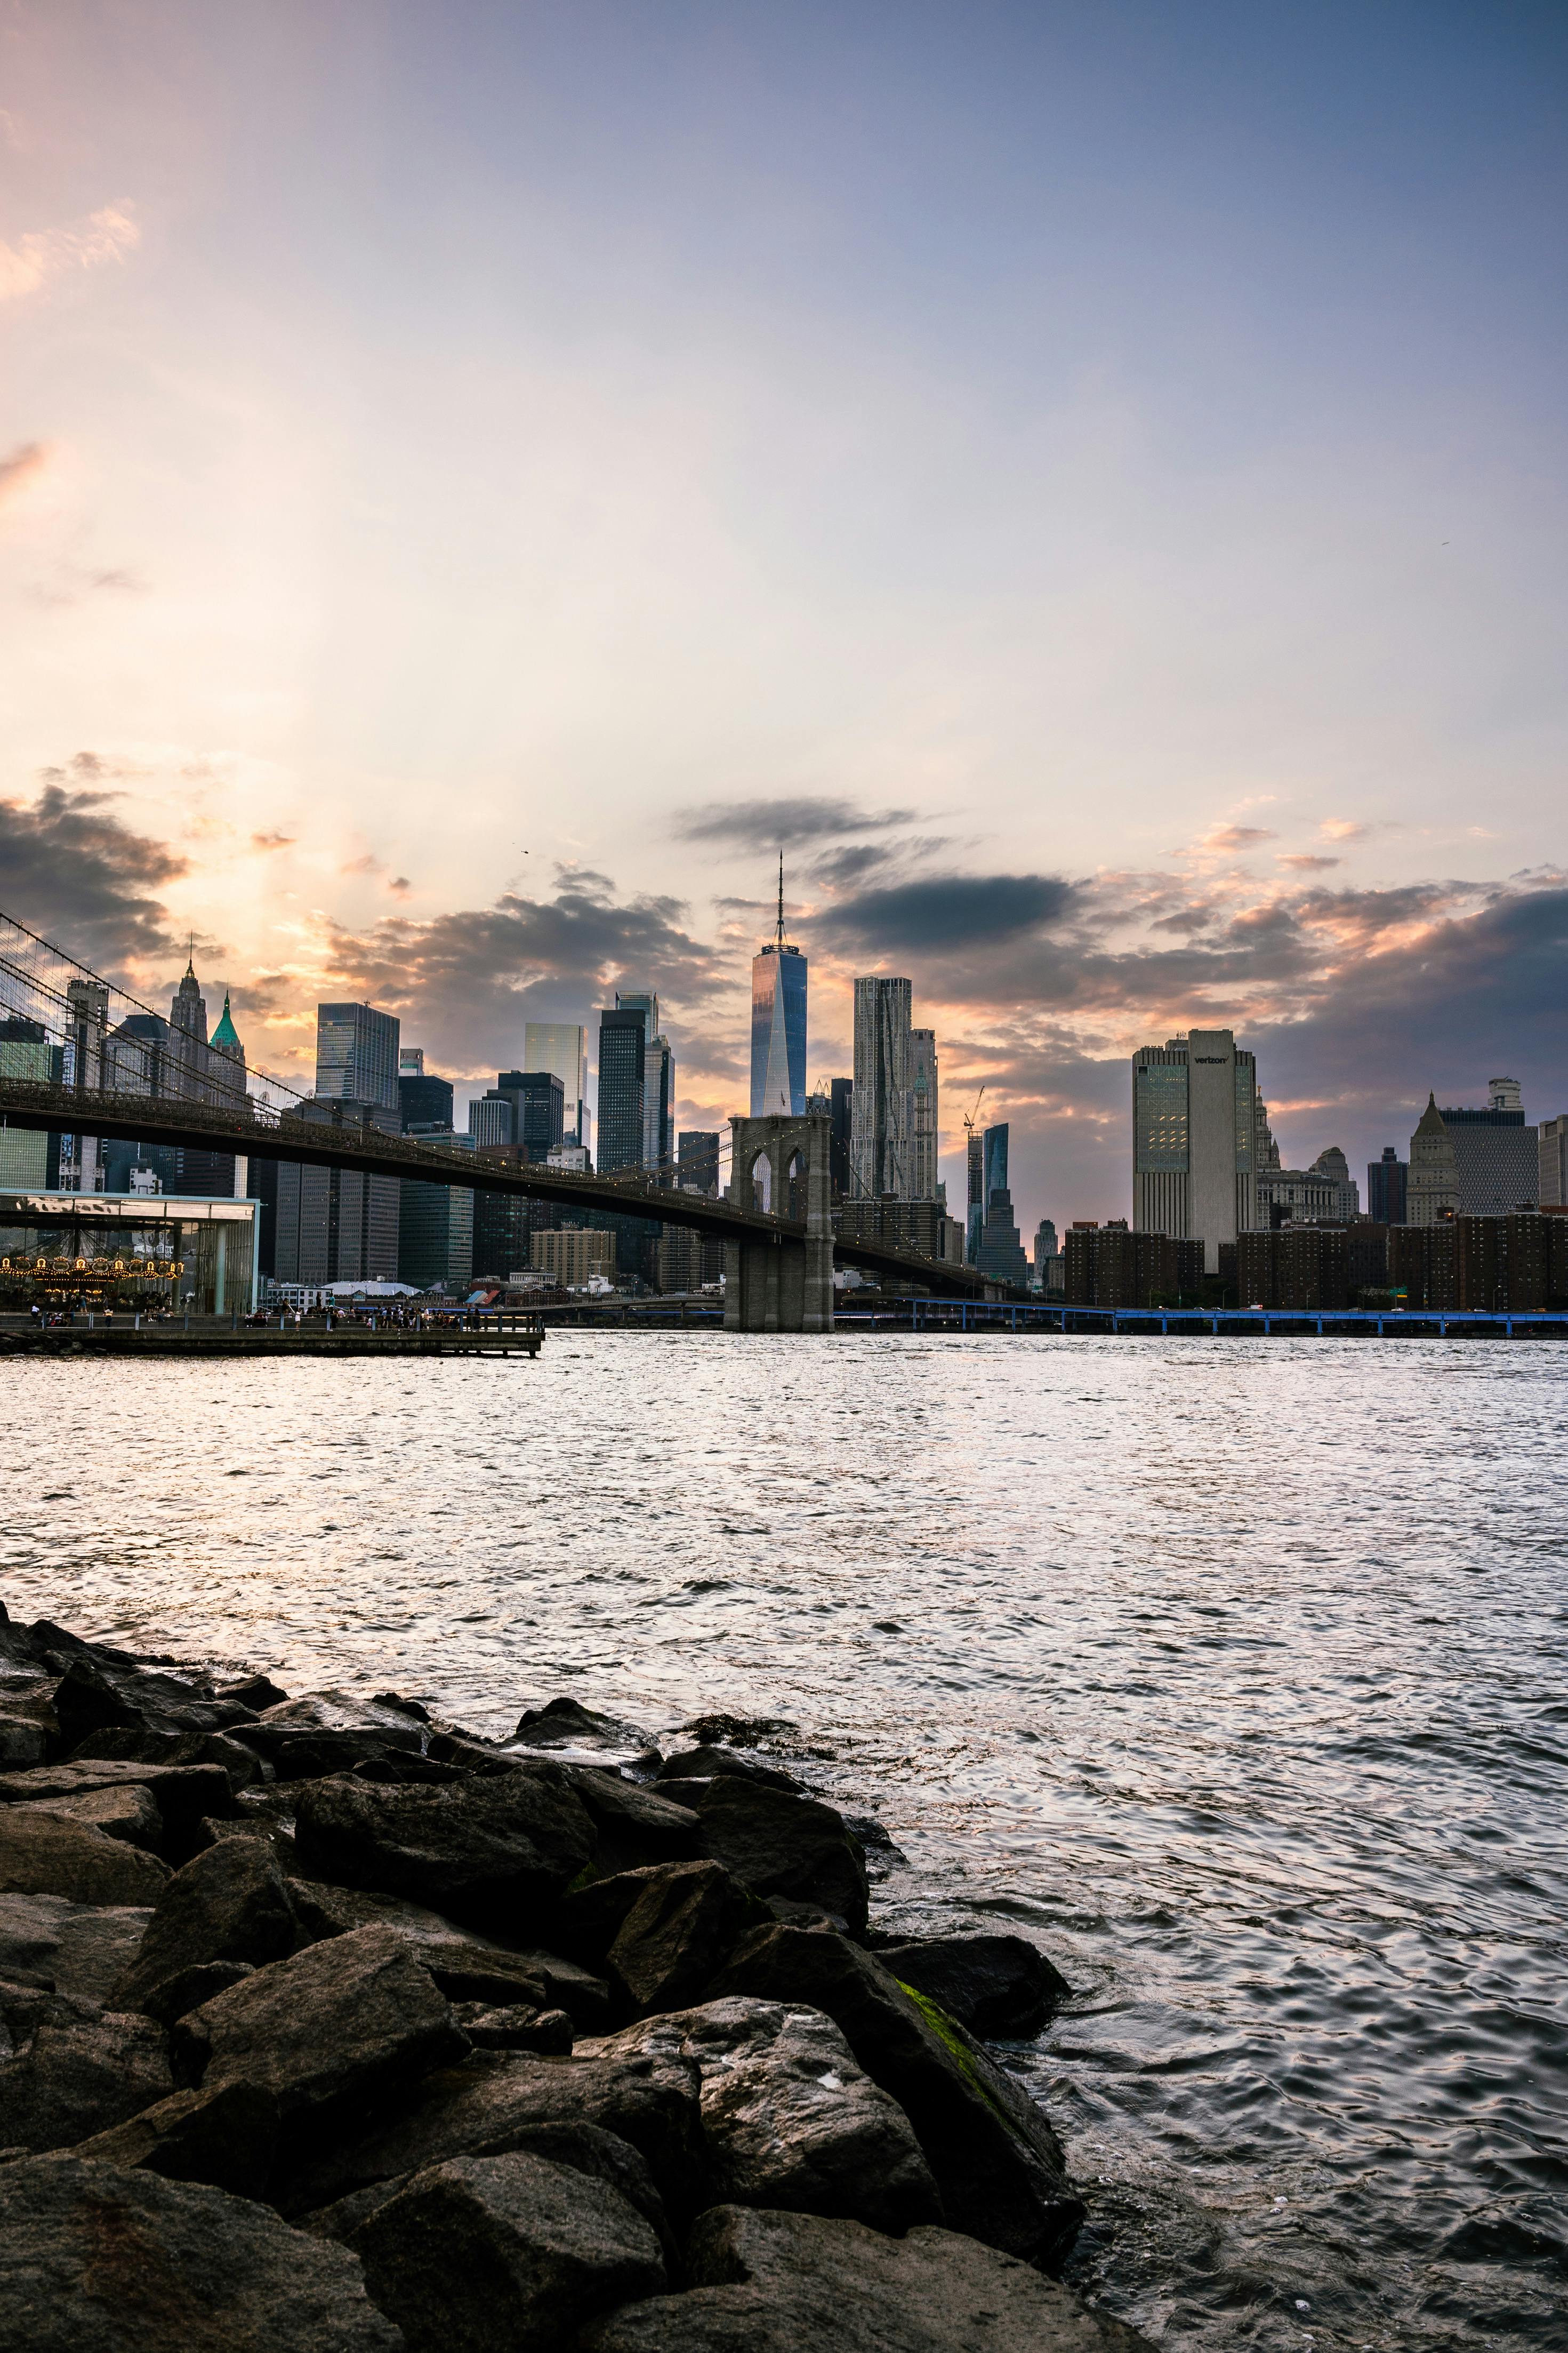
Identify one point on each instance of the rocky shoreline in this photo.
(325, 2024)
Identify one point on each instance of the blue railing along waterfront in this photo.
(1215, 1322)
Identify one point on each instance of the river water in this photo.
(1235, 1673)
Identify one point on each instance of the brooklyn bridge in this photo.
(779, 1262)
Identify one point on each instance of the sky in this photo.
(1086, 481)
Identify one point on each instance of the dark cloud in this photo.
(784, 824)
(75, 873)
(945, 911)
(463, 984)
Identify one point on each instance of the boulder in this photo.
(504, 2255)
(242, 1766)
(79, 2075)
(184, 1789)
(780, 1845)
(401, 1723)
(93, 1696)
(41, 1854)
(998, 1987)
(171, 1998)
(497, 2099)
(772, 2283)
(790, 2120)
(26, 1739)
(516, 2028)
(79, 1949)
(226, 2138)
(703, 1764)
(585, 2147)
(341, 2022)
(493, 1852)
(684, 1921)
(566, 1723)
(467, 1967)
(999, 2165)
(634, 1827)
(257, 1692)
(126, 1812)
(230, 1904)
(96, 2260)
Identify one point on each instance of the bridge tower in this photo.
(781, 1283)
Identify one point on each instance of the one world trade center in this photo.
(778, 1025)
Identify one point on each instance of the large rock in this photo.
(94, 2259)
(42, 1854)
(496, 2101)
(231, 1903)
(780, 1845)
(789, 2118)
(504, 2255)
(797, 2284)
(585, 2147)
(997, 2163)
(127, 1812)
(227, 2138)
(78, 1949)
(494, 1853)
(567, 1728)
(998, 1987)
(633, 1826)
(703, 1764)
(341, 2022)
(242, 1766)
(94, 1696)
(465, 1966)
(401, 1723)
(669, 1938)
(79, 2075)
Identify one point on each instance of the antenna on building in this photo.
(778, 936)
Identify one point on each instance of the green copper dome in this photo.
(225, 1034)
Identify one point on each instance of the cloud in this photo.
(1342, 828)
(400, 886)
(273, 840)
(464, 983)
(1303, 862)
(107, 235)
(75, 873)
(945, 911)
(1234, 837)
(24, 465)
(784, 824)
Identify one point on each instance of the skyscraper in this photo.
(623, 1062)
(538, 1110)
(924, 1119)
(490, 1120)
(423, 1099)
(976, 1202)
(1194, 1139)
(1496, 1156)
(1001, 1251)
(882, 1108)
(1432, 1192)
(562, 1047)
(356, 1055)
(1552, 1162)
(697, 1160)
(778, 1025)
(1386, 1183)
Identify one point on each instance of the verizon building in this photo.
(1195, 1127)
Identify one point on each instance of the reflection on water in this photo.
(1232, 1671)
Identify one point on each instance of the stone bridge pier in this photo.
(781, 1283)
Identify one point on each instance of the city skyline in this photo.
(1124, 572)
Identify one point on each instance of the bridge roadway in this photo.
(165, 1119)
